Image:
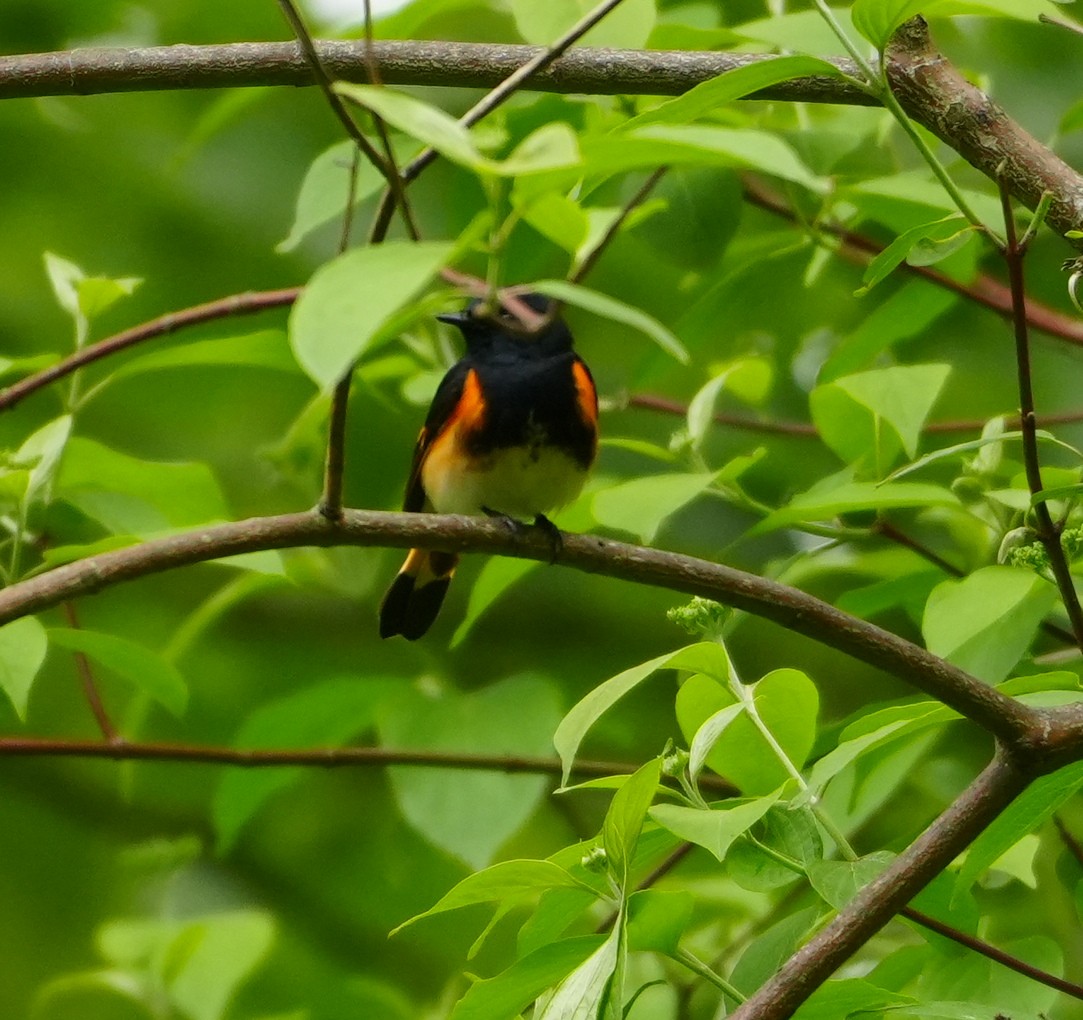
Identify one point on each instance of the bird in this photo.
(512, 432)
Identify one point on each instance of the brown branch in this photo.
(992, 953)
(533, 63)
(1031, 729)
(887, 894)
(982, 290)
(235, 304)
(1014, 252)
(323, 757)
(1073, 844)
(932, 92)
(86, 676)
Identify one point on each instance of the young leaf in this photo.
(510, 992)
(627, 27)
(624, 819)
(427, 123)
(731, 85)
(716, 829)
(618, 311)
(748, 377)
(23, 644)
(42, 453)
(143, 669)
(324, 191)
(985, 622)
(508, 880)
(348, 302)
(787, 702)
(1027, 812)
(708, 735)
(939, 231)
(582, 994)
(822, 503)
(326, 715)
(705, 657)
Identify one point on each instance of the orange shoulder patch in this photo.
(586, 394)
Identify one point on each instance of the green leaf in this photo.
(716, 829)
(84, 297)
(731, 85)
(877, 20)
(510, 992)
(901, 397)
(705, 657)
(642, 505)
(838, 882)
(555, 217)
(657, 918)
(618, 311)
(508, 880)
(824, 502)
(326, 715)
(1031, 809)
(324, 191)
(129, 496)
(145, 670)
(495, 577)
(750, 378)
(708, 735)
(427, 123)
(624, 819)
(23, 644)
(787, 702)
(470, 814)
(985, 622)
(550, 147)
(346, 306)
(696, 145)
(850, 998)
(944, 231)
(42, 453)
(582, 994)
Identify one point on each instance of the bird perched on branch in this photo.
(511, 432)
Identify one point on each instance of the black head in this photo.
(502, 330)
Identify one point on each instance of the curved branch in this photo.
(879, 901)
(1002, 716)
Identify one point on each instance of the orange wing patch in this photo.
(586, 394)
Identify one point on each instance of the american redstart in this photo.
(512, 431)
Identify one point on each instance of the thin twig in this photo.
(613, 229)
(90, 687)
(529, 69)
(1048, 534)
(992, 953)
(790, 607)
(982, 290)
(320, 757)
(1073, 844)
(312, 56)
(235, 304)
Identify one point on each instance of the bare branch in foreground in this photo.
(983, 704)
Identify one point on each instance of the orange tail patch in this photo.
(415, 596)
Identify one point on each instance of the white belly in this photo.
(519, 482)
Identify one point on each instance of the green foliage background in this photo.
(103, 864)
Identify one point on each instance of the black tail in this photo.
(417, 593)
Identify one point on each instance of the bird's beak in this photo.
(453, 318)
